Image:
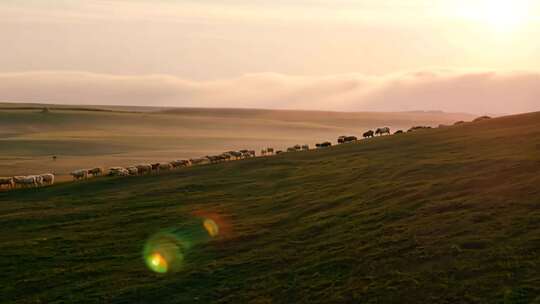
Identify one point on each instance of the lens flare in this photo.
(211, 227)
(157, 263)
(168, 250)
(165, 252)
(215, 224)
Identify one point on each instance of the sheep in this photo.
(220, 158)
(180, 163)
(368, 134)
(323, 145)
(244, 153)
(247, 153)
(118, 171)
(79, 174)
(165, 167)
(48, 178)
(235, 154)
(7, 181)
(133, 170)
(199, 161)
(416, 128)
(382, 131)
(144, 169)
(155, 167)
(212, 159)
(39, 180)
(341, 139)
(346, 139)
(25, 181)
(225, 156)
(96, 172)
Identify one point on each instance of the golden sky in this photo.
(204, 41)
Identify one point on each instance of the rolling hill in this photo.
(448, 215)
(123, 136)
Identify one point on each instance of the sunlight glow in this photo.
(500, 15)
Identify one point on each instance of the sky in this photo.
(478, 56)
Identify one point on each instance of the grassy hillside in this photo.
(122, 136)
(446, 215)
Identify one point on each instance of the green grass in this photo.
(446, 215)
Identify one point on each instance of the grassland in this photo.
(122, 136)
(447, 215)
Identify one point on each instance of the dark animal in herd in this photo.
(416, 128)
(346, 139)
(382, 131)
(325, 144)
(369, 133)
(267, 151)
(297, 148)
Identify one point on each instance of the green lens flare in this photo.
(164, 252)
(167, 251)
(157, 263)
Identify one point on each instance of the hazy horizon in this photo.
(455, 56)
(113, 107)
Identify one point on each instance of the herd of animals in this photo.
(33, 181)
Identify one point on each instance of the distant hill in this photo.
(98, 108)
(449, 215)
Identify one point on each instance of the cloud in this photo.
(446, 90)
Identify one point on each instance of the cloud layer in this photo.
(446, 90)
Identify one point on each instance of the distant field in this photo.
(447, 215)
(111, 136)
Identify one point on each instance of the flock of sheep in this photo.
(155, 168)
(33, 181)
(27, 181)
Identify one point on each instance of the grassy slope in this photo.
(439, 216)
